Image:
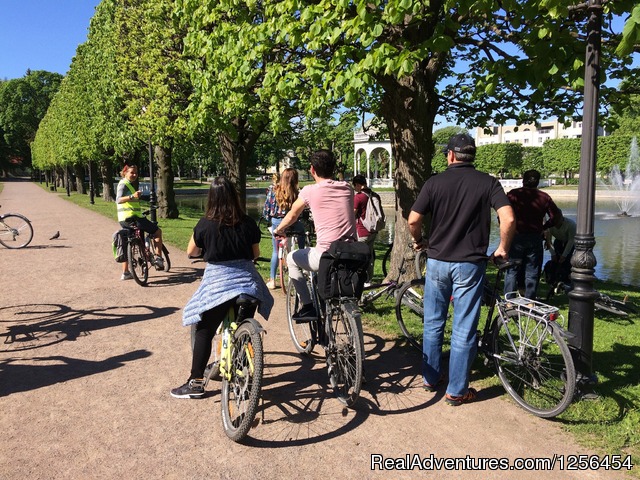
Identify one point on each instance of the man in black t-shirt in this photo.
(460, 201)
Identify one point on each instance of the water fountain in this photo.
(628, 184)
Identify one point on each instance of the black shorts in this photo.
(144, 224)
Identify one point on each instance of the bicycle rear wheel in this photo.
(410, 311)
(167, 260)
(138, 265)
(534, 364)
(241, 393)
(301, 334)
(15, 231)
(345, 352)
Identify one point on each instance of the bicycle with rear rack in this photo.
(15, 230)
(141, 250)
(338, 329)
(525, 343)
(237, 359)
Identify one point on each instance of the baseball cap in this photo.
(360, 180)
(461, 143)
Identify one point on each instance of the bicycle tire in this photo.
(241, 393)
(17, 231)
(345, 354)
(386, 259)
(263, 226)
(421, 263)
(410, 311)
(137, 261)
(301, 334)
(283, 272)
(538, 373)
(167, 260)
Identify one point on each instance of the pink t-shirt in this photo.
(331, 204)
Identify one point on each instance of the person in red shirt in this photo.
(530, 206)
(360, 208)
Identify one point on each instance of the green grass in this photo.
(609, 424)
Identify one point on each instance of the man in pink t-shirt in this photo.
(331, 204)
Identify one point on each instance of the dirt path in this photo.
(87, 361)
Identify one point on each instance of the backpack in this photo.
(343, 270)
(119, 245)
(373, 219)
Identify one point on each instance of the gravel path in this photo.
(87, 361)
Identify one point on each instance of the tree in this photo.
(502, 159)
(408, 60)
(23, 104)
(562, 155)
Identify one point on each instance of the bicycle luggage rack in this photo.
(533, 308)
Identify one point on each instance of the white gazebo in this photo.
(365, 150)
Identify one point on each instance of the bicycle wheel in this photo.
(15, 231)
(283, 271)
(167, 260)
(410, 311)
(241, 393)
(345, 353)
(534, 364)
(301, 334)
(263, 226)
(138, 265)
(421, 263)
(385, 260)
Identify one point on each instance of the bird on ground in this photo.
(55, 235)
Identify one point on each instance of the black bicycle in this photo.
(338, 329)
(141, 250)
(603, 302)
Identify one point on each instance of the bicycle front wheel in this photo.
(241, 393)
(345, 353)
(284, 273)
(15, 231)
(137, 260)
(534, 364)
(301, 334)
(410, 311)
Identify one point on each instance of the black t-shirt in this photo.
(223, 242)
(460, 200)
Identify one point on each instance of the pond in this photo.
(617, 248)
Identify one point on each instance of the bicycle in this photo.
(338, 329)
(285, 245)
(238, 361)
(527, 346)
(374, 291)
(15, 230)
(141, 250)
(601, 302)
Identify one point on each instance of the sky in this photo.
(41, 34)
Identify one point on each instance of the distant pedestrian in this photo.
(530, 206)
(563, 234)
(360, 207)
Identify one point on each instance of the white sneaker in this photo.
(271, 285)
(126, 276)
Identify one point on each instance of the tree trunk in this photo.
(235, 155)
(80, 186)
(409, 107)
(167, 206)
(107, 173)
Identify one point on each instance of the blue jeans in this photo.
(464, 281)
(297, 227)
(528, 248)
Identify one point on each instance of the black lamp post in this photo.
(583, 261)
(152, 192)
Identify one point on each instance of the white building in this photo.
(530, 135)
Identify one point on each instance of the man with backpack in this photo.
(369, 216)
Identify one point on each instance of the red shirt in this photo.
(360, 205)
(530, 206)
